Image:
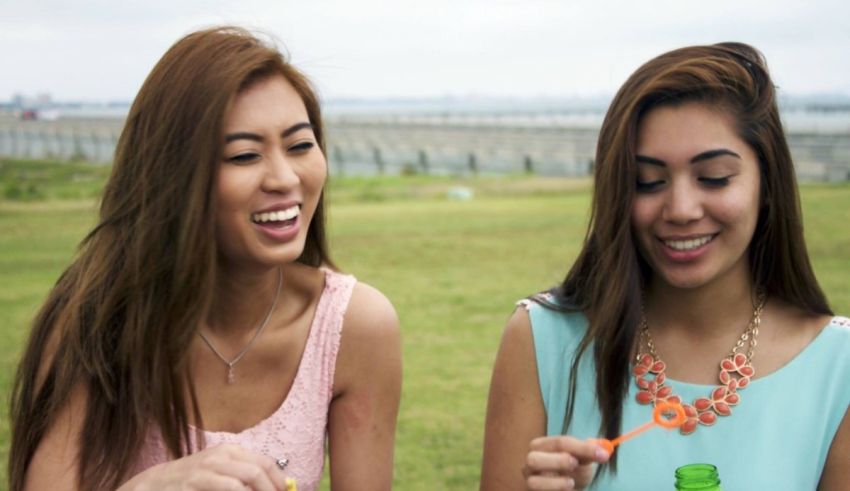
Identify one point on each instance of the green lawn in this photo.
(453, 269)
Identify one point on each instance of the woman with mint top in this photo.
(202, 339)
(693, 286)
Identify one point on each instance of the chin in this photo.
(286, 257)
(277, 256)
(685, 281)
(686, 285)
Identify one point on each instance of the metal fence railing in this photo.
(394, 146)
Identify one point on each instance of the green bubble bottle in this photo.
(697, 477)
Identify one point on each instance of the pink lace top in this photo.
(297, 430)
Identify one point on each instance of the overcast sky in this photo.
(102, 50)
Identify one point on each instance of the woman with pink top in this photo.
(202, 339)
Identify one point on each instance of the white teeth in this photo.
(276, 216)
(687, 245)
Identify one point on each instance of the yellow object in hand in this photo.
(290, 484)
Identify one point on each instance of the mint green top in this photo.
(776, 438)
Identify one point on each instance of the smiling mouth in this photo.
(279, 218)
(689, 244)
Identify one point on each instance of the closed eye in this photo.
(716, 182)
(302, 147)
(244, 158)
(649, 186)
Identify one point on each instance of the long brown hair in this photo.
(606, 280)
(126, 309)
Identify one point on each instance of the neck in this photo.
(241, 300)
(717, 310)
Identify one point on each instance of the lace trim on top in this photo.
(526, 303)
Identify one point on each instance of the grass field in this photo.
(452, 268)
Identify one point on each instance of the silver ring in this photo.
(282, 463)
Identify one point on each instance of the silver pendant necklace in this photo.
(231, 363)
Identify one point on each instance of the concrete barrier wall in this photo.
(369, 146)
(90, 140)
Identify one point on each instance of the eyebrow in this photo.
(710, 154)
(246, 135)
(707, 155)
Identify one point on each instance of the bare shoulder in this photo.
(514, 381)
(370, 348)
(515, 410)
(366, 393)
(516, 363)
(518, 326)
(370, 315)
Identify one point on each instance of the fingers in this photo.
(583, 450)
(548, 483)
(257, 472)
(255, 477)
(562, 462)
(209, 481)
(557, 462)
(219, 468)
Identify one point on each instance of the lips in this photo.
(688, 244)
(279, 224)
(276, 217)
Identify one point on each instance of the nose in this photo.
(683, 203)
(280, 176)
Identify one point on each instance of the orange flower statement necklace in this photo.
(736, 370)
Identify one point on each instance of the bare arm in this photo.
(222, 468)
(367, 389)
(515, 412)
(836, 472)
(517, 455)
(54, 463)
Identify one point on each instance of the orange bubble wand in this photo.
(660, 417)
